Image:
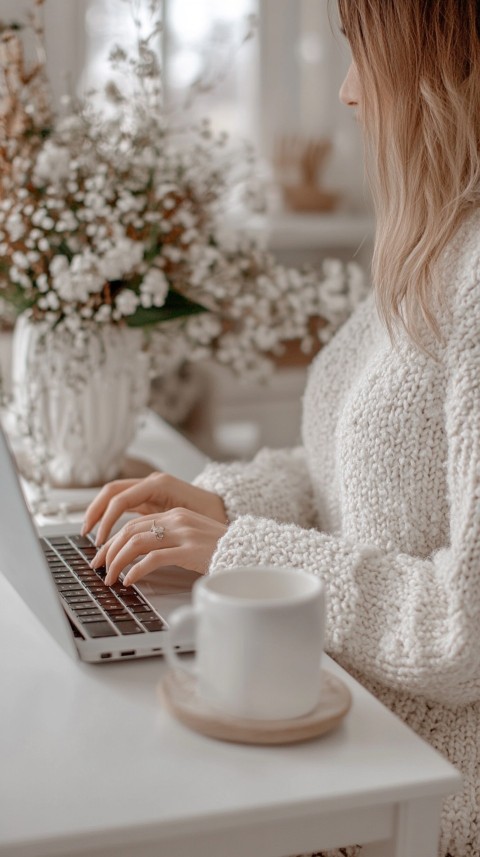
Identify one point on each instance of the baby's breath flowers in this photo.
(112, 214)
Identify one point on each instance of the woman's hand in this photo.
(157, 492)
(177, 537)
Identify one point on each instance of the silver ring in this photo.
(157, 530)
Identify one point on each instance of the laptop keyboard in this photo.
(102, 611)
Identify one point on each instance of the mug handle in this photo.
(182, 621)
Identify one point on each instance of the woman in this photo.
(383, 498)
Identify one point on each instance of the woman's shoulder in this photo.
(461, 262)
(362, 323)
(351, 345)
(460, 273)
(459, 312)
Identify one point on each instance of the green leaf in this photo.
(175, 306)
(64, 250)
(15, 295)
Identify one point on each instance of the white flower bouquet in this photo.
(112, 214)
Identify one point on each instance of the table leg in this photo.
(417, 831)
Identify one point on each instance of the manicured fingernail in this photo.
(126, 580)
(84, 531)
(94, 562)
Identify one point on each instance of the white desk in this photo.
(91, 764)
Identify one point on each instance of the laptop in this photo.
(53, 577)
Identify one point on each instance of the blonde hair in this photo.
(419, 66)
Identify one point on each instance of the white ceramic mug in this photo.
(258, 635)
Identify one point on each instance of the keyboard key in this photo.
(141, 609)
(118, 587)
(111, 607)
(117, 615)
(78, 599)
(147, 617)
(128, 627)
(81, 541)
(129, 602)
(70, 587)
(82, 606)
(154, 625)
(89, 611)
(99, 629)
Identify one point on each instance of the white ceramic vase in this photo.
(76, 399)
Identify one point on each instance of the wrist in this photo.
(216, 508)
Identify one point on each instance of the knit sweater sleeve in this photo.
(410, 623)
(276, 484)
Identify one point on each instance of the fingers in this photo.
(158, 492)
(117, 503)
(100, 558)
(110, 548)
(153, 562)
(188, 540)
(117, 506)
(128, 547)
(97, 507)
(126, 495)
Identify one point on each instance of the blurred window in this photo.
(282, 83)
(202, 48)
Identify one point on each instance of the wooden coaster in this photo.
(180, 694)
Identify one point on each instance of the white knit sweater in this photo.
(382, 501)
